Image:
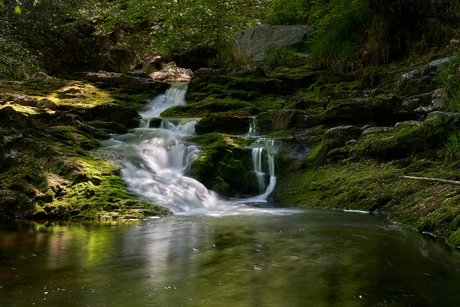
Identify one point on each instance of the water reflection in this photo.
(303, 258)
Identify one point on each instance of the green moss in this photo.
(212, 104)
(224, 164)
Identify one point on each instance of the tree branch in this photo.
(432, 179)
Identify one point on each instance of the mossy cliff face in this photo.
(47, 171)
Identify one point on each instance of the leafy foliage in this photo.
(450, 78)
(180, 26)
(52, 31)
(339, 28)
(282, 12)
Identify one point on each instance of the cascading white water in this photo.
(257, 156)
(252, 128)
(174, 96)
(153, 160)
(257, 163)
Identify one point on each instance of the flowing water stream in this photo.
(153, 161)
(214, 252)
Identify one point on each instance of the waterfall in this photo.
(174, 96)
(268, 147)
(153, 160)
(252, 128)
(257, 163)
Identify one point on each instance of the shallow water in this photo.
(244, 257)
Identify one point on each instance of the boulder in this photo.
(249, 45)
(335, 138)
(116, 113)
(24, 100)
(172, 74)
(421, 80)
(353, 112)
(47, 104)
(275, 120)
(224, 124)
(343, 134)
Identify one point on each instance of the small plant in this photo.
(453, 148)
(450, 78)
(223, 59)
(281, 56)
(336, 40)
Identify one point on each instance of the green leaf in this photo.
(1, 3)
(17, 9)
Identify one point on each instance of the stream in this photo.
(216, 252)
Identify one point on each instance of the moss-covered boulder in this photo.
(275, 120)
(356, 111)
(224, 165)
(224, 124)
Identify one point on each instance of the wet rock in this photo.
(223, 124)
(249, 45)
(354, 112)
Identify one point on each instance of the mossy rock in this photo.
(224, 165)
(223, 124)
(212, 104)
